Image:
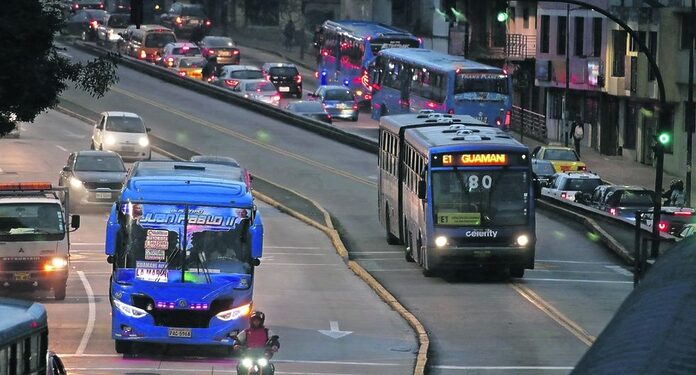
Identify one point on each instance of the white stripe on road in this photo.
(90, 318)
(62, 148)
(580, 281)
(621, 270)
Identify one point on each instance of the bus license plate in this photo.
(180, 332)
(22, 276)
(103, 195)
(284, 89)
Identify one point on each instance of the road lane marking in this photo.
(620, 270)
(91, 317)
(580, 281)
(503, 368)
(246, 138)
(570, 261)
(295, 247)
(554, 314)
(86, 243)
(62, 148)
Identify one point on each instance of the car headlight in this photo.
(522, 240)
(235, 313)
(110, 140)
(247, 362)
(143, 141)
(129, 310)
(440, 241)
(263, 362)
(75, 183)
(59, 262)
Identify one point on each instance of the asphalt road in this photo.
(478, 322)
(302, 285)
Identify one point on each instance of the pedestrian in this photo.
(578, 131)
(289, 33)
(301, 42)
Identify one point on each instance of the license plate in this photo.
(340, 105)
(127, 148)
(565, 168)
(22, 276)
(225, 53)
(180, 332)
(284, 89)
(103, 195)
(193, 22)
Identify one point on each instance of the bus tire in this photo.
(123, 347)
(391, 239)
(517, 272)
(59, 291)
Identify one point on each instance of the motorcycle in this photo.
(254, 362)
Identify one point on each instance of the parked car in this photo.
(339, 101)
(222, 47)
(93, 177)
(568, 185)
(564, 159)
(233, 75)
(108, 33)
(672, 219)
(84, 23)
(124, 133)
(260, 90)
(621, 200)
(184, 18)
(285, 77)
(314, 110)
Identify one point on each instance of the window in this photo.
(635, 44)
(544, 42)
(429, 85)
(596, 37)
(685, 29)
(561, 35)
(512, 12)
(579, 36)
(618, 64)
(652, 46)
(525, 18)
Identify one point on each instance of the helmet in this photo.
(679, 184)
(258, 315)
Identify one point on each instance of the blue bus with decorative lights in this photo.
(183, 240)
(409, 80)
(346, 48)
(456, 192)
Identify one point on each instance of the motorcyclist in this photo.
(211, 68)
(674, 196)
(257, 338)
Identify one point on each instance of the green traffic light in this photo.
(502, 16)
(663, 138)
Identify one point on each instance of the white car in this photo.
(114, 24)
(123, 133)
(260, 90)
(568, 185)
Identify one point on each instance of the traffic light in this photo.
(500, 8)
(664, 138)
(136, 12)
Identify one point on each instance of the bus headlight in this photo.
(235, 313)
(75, 183)
(441, 241)
(523, 240)
(263, 362)
(129, 310)
(247, 362)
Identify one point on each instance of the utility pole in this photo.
(567, 77)
(689, 109)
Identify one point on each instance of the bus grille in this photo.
(182, 318)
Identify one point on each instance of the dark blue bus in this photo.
(456, 191)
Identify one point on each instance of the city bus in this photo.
(408, 80)
(456, 191)
(24, 339)
(183, 241)
(346, 48)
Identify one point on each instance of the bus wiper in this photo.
(203, 264)
(169, 262)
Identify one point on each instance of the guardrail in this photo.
(529, 124)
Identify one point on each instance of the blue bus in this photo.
(24, 339)
(183, 240)
(456, 191)
(346, 48)
(409, 80)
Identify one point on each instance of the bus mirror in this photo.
(256, 234)
(110, 259)
(256, 262)
(112, 228)
(421, 189)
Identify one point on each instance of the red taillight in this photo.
(564, 195)
(355, 106)
(682, 213)
(182, 73)
(298, 78)
(94, 24)
(211, 51)
(143, 54)
(276, 98)
(508, 115)
(316, 74)
(267, 76)
(451, 111)
(231, 82)
(612, 211)
(235, 52)
(178, 20)
(76, 6)
(582, 168)
(365, 79)
(101, 5)
(368, 97)
(662, 226)
(431, 105)
(208, 23)
(498, 121)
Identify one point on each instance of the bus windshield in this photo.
(31, 222)
(478, 198)
(379, 44)
(480, 83)
(214, 239)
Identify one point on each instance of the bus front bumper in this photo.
(477, 256)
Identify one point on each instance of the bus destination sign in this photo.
(473, 160)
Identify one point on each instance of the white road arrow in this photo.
(335, 333)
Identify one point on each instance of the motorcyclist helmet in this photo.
(260, 316)
(679, 184)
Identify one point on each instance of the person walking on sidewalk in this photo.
(289, 33)
(578, 131)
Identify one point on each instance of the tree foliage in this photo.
(33, 73)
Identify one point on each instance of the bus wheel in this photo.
(122, 347)
(391, 239)
(517, 272)
(408, 253)
(59, 291)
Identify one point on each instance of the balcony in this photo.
(493, 46)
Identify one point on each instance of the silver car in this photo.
(260, 90)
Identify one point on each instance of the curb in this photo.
(339, 246)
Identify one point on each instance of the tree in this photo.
(32, 72)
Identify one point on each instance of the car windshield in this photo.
(543, 168)
(218, 42)
(308, 107)
(480, 198)
(283, 71)
(31, 222)
(585, 185)
(339, 94)
(186, 51)
(98, 15)
(193, 11)
(561, 155)
(99, 163)
(154, 240)
(245, 74)
(125, 124)
(119, 21)
(637, 198)
(260, 87)
(159, 40)
(191, 63)
(481, 83)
